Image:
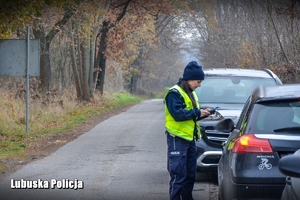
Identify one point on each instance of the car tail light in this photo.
(248, 143)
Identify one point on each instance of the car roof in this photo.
(263, 73)
(285, 91)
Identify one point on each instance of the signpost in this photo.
(20, 58)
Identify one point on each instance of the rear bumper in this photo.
(248, 191)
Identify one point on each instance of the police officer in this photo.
(182, 129)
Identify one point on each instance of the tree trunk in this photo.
(91, 69)
(85, 73)
(101, 57)
(85, 49)
(94, 62)
(135, 76)
(74, 67)
(103, 40)
(133, 83)
(45, 69)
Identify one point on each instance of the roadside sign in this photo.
(20, 58)
(13, 57)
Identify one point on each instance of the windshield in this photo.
(228, 92)
(275, 117)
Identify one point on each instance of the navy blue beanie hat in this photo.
(193, 71)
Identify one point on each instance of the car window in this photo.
(229, 90)
(272, 117)
(296, 109)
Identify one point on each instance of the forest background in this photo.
(93, 52)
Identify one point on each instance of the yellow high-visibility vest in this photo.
(183, 129)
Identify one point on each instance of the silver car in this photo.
(228, 89)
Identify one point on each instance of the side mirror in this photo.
(289, 165)
(225, 126)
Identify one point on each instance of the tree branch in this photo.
(69, 12)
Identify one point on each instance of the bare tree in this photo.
(45, 43)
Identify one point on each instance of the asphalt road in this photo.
(123, 157)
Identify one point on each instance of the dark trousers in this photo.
(182, 166)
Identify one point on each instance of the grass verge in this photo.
(46, 116)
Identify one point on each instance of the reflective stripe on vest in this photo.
(183, 129)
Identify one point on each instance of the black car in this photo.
(289, 166)
(228, 89)
(268, 129)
